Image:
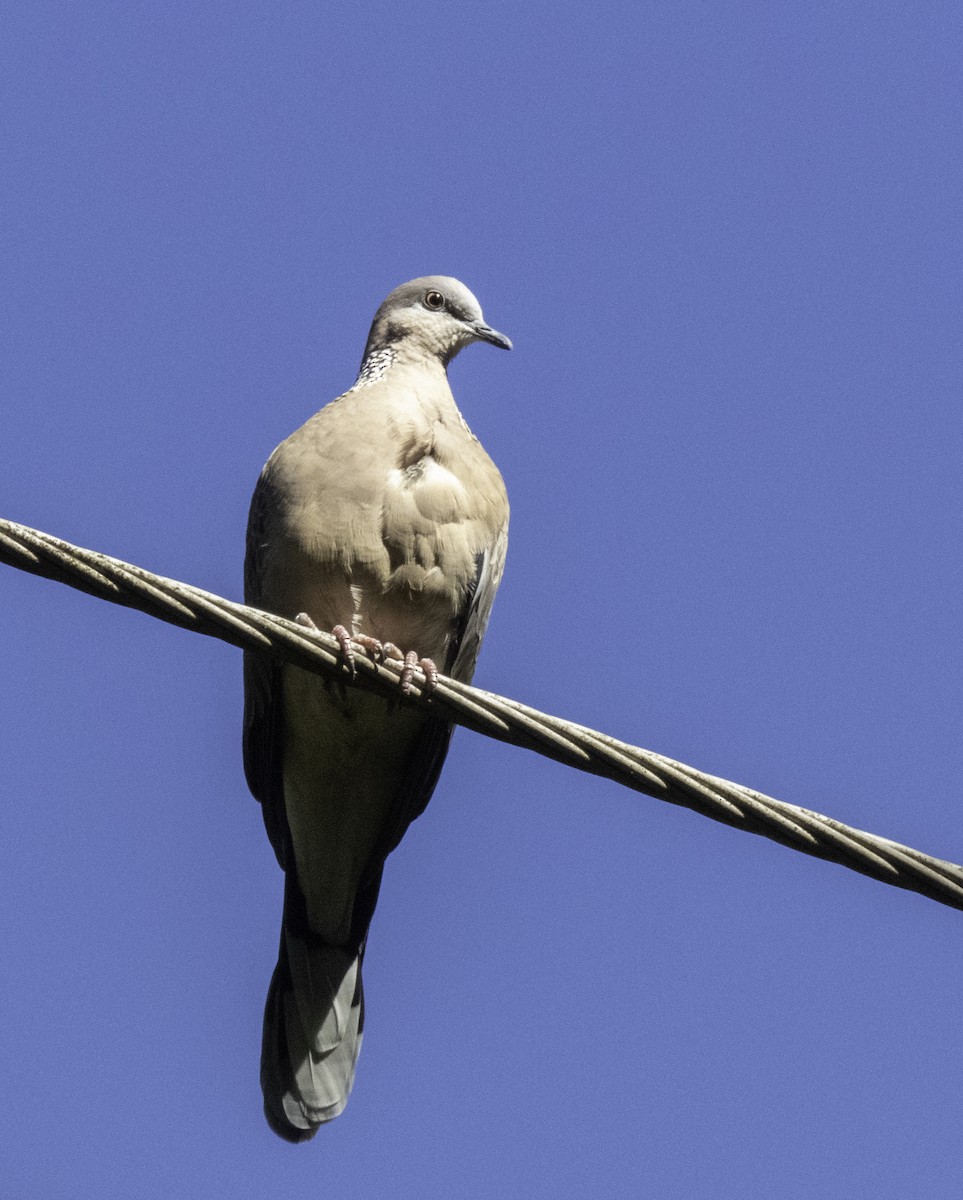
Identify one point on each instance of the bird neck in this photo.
(378, 361)
(375, 365)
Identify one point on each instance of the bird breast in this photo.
(435, 493)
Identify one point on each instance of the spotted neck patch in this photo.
(374, 367)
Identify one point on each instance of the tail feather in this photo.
(313, 1023)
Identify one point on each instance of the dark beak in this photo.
(485, 333)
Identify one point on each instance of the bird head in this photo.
(434, 315)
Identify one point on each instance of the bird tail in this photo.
(313, 1022)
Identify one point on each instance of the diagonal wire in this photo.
(487, 713)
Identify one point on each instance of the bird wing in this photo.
(263, 715)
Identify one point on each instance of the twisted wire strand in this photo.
(485, 712)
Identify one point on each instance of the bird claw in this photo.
(347, 650)
(379, 652)
(431, 673)
(408, 672)
(411, 663)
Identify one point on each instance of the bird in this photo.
(383, 519)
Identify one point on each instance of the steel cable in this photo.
(487, 713)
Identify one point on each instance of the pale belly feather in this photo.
(345, 754)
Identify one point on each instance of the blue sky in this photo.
(725, 241)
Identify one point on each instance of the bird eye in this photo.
(434, 300)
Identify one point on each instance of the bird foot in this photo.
(379, 652)
(411, 663)
(382, 651)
